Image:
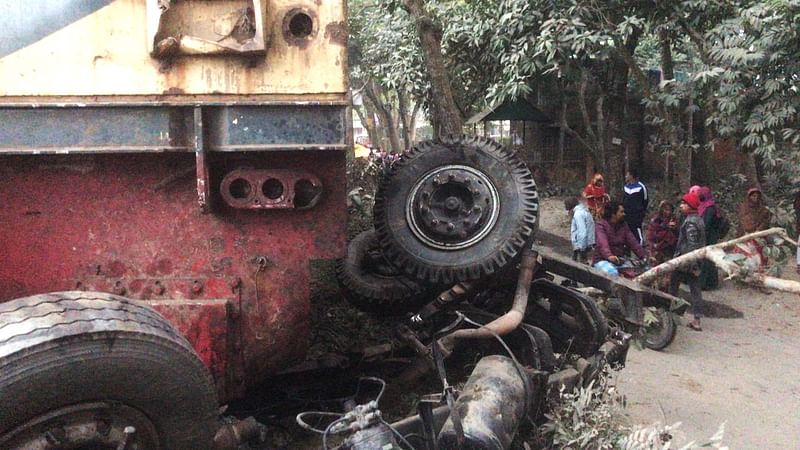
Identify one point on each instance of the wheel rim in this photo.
(87, 426)
(658, 331)
(452, 207)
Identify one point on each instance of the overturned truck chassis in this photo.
(552, 339)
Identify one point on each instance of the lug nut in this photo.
(451, 177)
(450, 226)
(425, 194)
(467, 180)
(467, 223)
(475, 192)
(462, 234)
(477, 209)
(435, 222)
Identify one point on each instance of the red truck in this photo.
(168, 171)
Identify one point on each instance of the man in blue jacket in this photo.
(635, 202)
(581, 229)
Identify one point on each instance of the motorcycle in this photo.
(656, 326)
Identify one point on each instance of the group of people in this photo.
(606, 231)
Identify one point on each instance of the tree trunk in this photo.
(412, 123)
(445, 115)
(682, 162)
(384, 115)
(715, 254)
(369, 124)
(402, 106)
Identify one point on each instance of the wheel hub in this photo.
(452, 207)
(86, 426)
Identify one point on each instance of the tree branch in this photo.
(715, 254)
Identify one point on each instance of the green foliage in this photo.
(756, 54)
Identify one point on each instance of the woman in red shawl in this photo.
(712, 219)
(595, 194)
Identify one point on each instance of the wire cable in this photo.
(328, 430)
(397, 433)
(303, 424)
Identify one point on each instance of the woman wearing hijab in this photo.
(712, 219)
(754, 216)
(753, 213)
(662, 233)
(662, 236)
(596, 196)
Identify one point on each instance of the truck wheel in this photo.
(659, 334)
(371, 284)
(86, 370)
(456, 210)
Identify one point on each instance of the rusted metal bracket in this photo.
(203, 188)
(205, 28)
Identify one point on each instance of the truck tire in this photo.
(371, 284)
(658, 335)
(84, 370)
(456, 210)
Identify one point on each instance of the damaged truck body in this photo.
(169, 169)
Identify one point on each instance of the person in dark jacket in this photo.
(635, 201)
(692, 236)
(712, 219)
(613, 238)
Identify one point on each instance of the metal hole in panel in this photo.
(272, 189)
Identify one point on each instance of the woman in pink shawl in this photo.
(712, 219)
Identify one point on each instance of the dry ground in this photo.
(742, 370)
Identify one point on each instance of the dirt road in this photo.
(742, 369)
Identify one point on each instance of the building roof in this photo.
(519, 109)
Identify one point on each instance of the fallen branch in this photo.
(716, 254)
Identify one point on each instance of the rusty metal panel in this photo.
(265, 128)
(88, 129)
(129, 223)
(146, 128)
(107, 53)
(205, 324)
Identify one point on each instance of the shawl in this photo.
(753, 216)
(706, 201)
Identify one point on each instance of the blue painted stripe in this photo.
(24, 22)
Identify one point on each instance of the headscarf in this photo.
(706, 201)
(753, 216)
(596, 195)
(691, 199)
(694, 189)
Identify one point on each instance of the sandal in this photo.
(695, 325)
